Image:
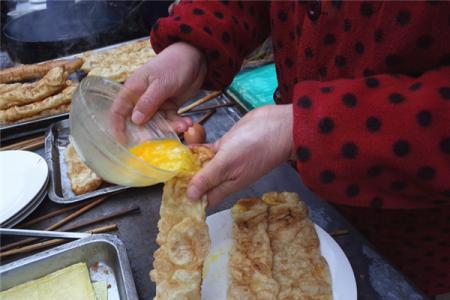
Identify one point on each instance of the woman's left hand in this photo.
(259, 142)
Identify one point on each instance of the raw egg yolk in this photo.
(170, 155)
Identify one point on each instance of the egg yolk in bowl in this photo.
(169, 154)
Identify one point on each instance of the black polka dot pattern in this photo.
(326, 89)
(327, 176)
(373, 124)
(359, 48)
(282, 16)
(349, 150)
(323, 72)
(401, 148)
(426, 173)
(198, 11)
(444, 91)
(372, 82)
(304, 102)
(378, 35)
(396, 98)
(403, 17)
(218, 15)
(329, 39)
(226, 37)
(444, 145)
(424, 118)
(415, 86)
(349, 100)
(184, 28)
(303, 154)
(207, 30)
(352, 190)
(366, 9)
(326, 125)
(340, 61)
(309, 53)
(347, 25)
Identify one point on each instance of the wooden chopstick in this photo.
(57, 224)
(25, 143)
(51, 214)
(205, 117)
(338, 232)
(53, 242)
(198, 102)
(205, 108)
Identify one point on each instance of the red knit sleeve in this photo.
(224, 31)
(381, 141)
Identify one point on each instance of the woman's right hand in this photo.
(162, 84)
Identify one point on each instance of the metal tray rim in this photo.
(119, 247)
(49, 143)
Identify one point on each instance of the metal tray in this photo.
(60, 191)
(104, 254)
(20, 129)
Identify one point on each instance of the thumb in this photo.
(210, 176)
(148, 104)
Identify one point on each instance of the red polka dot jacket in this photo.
(369, 83)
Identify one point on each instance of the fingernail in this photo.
(193, 193)
(137, 117)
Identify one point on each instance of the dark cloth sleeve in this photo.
(225, 31)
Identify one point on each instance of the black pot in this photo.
(71, 28)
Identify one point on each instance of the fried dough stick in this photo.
(250, 265)
(183, 239)
(16, 113)
(53, 82)
(298, 266)
(26, 72)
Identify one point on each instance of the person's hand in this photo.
(162, 84)
(259, 142)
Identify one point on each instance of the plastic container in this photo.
(98, 145)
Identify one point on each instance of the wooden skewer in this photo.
(57, 224)
(205, 108)
(51, 214)
(205, 117)
(21, 144)
(338, 232)
(198, 102)
(32, 146)
(53, 242)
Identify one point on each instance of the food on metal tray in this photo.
(21, 94)
(26, 72)
(82, 179)
(119, 63)
(183, 238)
(72, 282)
(17, 113)
(298, 266)
(250, 262)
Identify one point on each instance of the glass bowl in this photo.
(101, 148)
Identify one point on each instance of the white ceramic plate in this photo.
(215, 274)
(27, 210)
(23, 174)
